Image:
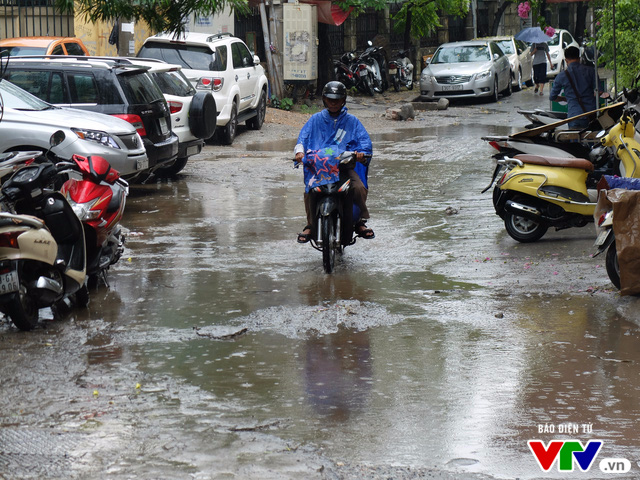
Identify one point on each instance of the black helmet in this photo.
(335, 91)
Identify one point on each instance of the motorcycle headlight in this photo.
(483, 75)
(103, 138)
(83, 210)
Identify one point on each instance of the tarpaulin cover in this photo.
(626, 228)
(327, 12)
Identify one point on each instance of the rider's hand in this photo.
(299, 157)
(359, 156)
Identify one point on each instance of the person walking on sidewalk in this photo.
(540, 56)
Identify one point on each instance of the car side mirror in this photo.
(256, 60)
(564, 45)
(496, 56)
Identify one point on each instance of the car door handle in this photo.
(236, 78)
(248, 75)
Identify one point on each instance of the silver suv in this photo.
(27, 123)
(231, 72)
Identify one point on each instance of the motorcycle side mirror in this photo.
(57, 138)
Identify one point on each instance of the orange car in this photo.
(22, 46)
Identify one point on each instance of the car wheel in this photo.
(519, 82)
(203, 115)
(509, 90)
(255, 123)
(228, 133)
(494, 96)
(172, 170)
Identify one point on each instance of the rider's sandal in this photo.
(364, 232)
(304, 237)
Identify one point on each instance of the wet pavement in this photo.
(437, 350)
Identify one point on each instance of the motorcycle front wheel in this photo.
(22, 310)
(329, 243)
(524, 229)
(613, 267)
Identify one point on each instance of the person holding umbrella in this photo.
(540, 54)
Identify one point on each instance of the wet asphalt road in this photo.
(437, 350)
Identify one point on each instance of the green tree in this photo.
(627, 37)
(160, 15)
(419, 18)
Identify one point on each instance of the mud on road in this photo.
(222, 350)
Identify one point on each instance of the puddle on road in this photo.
(410, 354)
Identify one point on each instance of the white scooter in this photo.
(42, 246)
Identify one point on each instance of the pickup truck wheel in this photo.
(228, 132)
(255, 123)
(203, 115)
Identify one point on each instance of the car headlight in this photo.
(426, 77)
(554, 55)
(97, 136)
(483, 75)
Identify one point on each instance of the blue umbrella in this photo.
(532, 35)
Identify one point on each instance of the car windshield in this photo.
(22, 51)
(506, 46)
(193, 57)
(555, 41)
(15, 97)
(174, 83)
(462, 54)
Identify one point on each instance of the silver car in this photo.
(475, 68)
(27, 123)
(520, 58)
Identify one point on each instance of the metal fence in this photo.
(27, 18)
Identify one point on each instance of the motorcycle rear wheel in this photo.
(395, 82)
(524, 229)
(23, 311)
(329, 243)
(613, 267)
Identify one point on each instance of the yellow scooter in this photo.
(534, 193)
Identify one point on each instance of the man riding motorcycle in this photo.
(335, 128)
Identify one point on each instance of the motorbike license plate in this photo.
(163, 126)
(9, 282)
(451, 87)
(393, 71)
(602, 236)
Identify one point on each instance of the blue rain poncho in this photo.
(323, 138)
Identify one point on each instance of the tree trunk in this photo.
(325, 59)
(407, 31)
(581, 21)
(498, 17)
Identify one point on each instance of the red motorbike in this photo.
(98, 198)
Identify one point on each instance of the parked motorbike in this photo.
(346, 70)
(98, 198)
(42, 246)
(533, 193)
(334, 212)
(401, 71)
(375, 57)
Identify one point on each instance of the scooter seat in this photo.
(556, 161)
